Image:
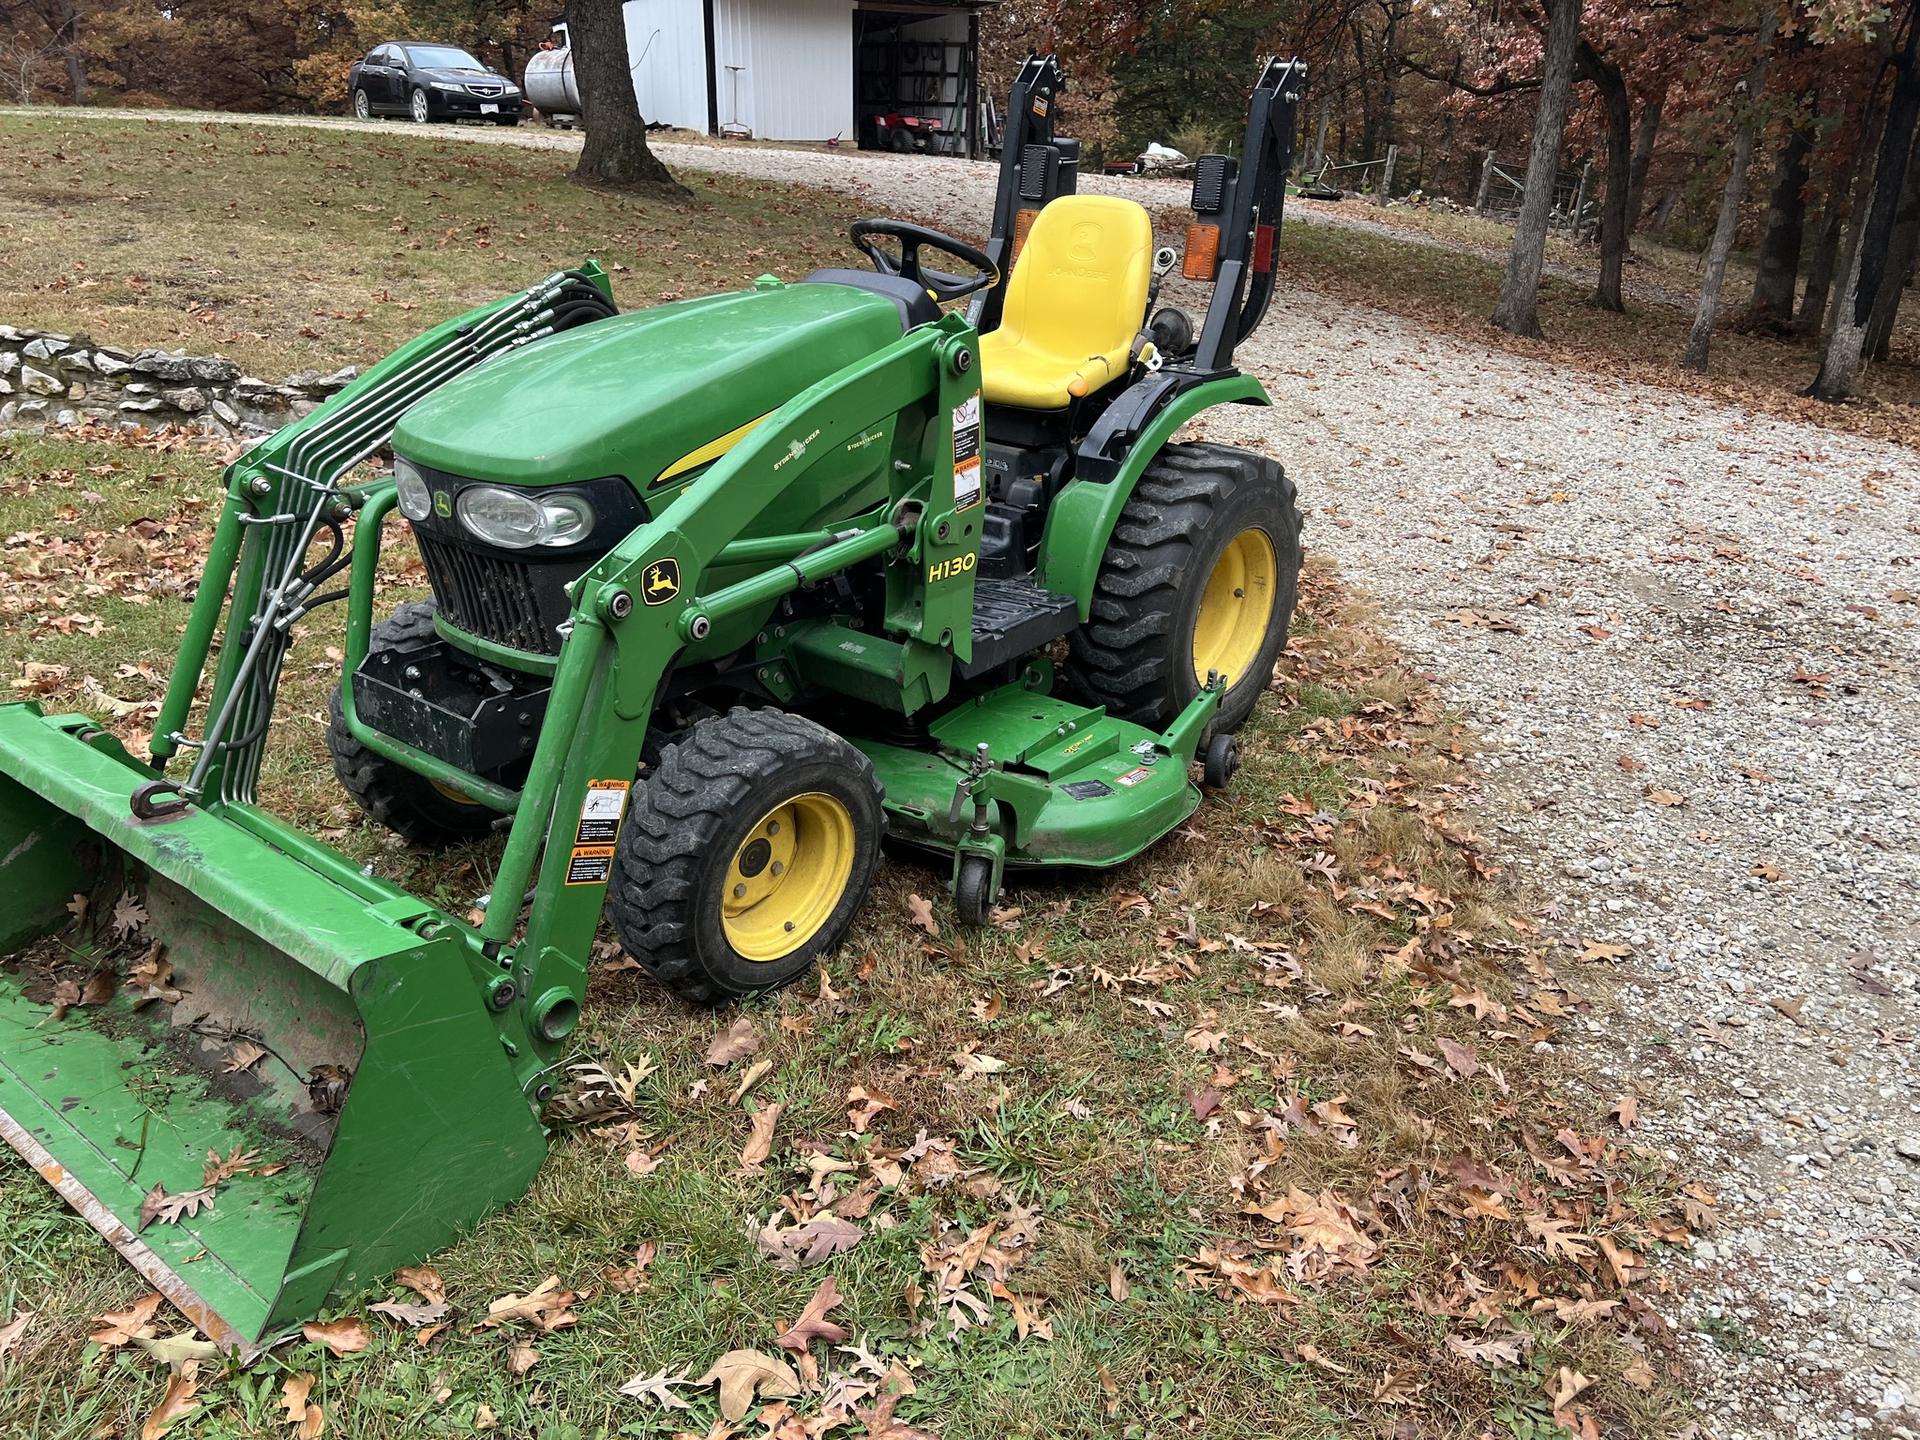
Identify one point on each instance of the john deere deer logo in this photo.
(661, 582)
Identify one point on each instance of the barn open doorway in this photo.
(916, 78)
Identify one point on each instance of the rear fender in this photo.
(1081, 518)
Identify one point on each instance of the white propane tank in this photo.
(549, 83)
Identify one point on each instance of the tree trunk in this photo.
(1323, 112)
(67, 36)
(1700, 338)
(1618, 107)
(616, 151)
(1845, 347)
(1900, 256)
(1777, 271)
(1645, 131)
(1518, 310)
(1826, 245)
(1856, 224)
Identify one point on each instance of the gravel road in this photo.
(1688, 636)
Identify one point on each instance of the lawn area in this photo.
(1453, 287)
(288, 249)
(1267, 1133)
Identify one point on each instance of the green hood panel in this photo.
(633, 394)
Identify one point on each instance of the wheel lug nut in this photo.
(789, 926)
(739, 892)
(773, 827)
(778, 868)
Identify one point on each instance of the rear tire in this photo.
(701, 895)
(899, 140)
(1207, 526)
(399, 799)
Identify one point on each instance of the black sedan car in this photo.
(430, 82)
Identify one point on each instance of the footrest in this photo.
(1012, 618)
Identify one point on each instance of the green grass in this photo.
(1100, 995)
(289, 249)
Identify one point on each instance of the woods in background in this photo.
(1781, 126)
(1712, 125)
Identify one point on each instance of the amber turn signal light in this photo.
(1202, 260)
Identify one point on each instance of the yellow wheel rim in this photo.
(787, 877)
(452, 794)
(1236, 608)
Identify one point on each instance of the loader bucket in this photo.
(323, 1033)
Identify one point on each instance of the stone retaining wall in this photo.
(51, 379)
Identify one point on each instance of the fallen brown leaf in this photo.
(813, 1324)
(176, 1403)
(346, 1336)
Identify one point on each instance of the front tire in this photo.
(420, 107)
(362, 106)
(1199, 576)
(399, 799)
(749, 849)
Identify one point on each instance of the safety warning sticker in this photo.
(590, 865)
(1134, 777)
(601, 812)
(966, 452)
(966, 485)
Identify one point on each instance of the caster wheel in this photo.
(973, 891)
(1221, 763)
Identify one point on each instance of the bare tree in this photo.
(1901, 251)
(1646, 130)
(616, 150)
(1845, 347)
(1617, 106)
(1776, 271)
(1747, 100)
(1518, 309)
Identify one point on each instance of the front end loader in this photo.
(724, 593)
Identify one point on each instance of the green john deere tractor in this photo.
(725, 592)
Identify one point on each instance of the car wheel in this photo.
(418, 107)
(362, 107)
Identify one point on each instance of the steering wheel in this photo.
(941, 285)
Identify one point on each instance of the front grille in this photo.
(486, 92)
(509, 602)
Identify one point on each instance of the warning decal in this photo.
(966, 452)
(590, 865)
(601, 812)
(1134, 777)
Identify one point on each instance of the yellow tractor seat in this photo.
(1075, 301)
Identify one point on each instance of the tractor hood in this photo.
(638, 394)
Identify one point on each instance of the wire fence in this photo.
(1575, 205)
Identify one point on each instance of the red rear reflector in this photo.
(1262, 249)
(1203, 252)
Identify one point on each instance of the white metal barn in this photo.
(809, 69)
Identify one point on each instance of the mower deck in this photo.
(1085, 790)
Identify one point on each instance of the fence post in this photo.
(1386, 176)
(1486, 184)
(1580, 199)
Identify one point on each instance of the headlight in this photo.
(511, 90)
(416, 497)
(447, 85)
(515, 520)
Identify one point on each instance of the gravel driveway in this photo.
(1688, 637)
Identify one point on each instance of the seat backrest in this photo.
(1080, 285)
